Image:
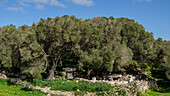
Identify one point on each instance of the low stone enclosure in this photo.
(127, 83)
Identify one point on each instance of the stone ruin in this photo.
(3, 76)
(126, 83)
(69, 72)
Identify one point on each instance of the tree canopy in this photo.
(100, 45)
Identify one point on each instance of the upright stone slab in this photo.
(69, 75)
(94, 79)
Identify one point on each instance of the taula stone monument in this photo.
(69, 72)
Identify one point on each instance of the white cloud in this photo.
(83, 2)
(37, 1)
(47, 2)
(40, 7)
(24, 4)
(56, 3)
(15, 9)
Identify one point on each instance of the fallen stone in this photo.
(3, 76)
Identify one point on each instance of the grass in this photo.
(162, 90)
(153, 93)
(72, 85)
(10, 89)
(150, 92)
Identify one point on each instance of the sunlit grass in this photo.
(72, 85)
(9, 89)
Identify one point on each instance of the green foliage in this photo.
(166, 59)
(124, 56)
(98, 45)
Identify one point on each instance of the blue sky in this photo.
(154, 15)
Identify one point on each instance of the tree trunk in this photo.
(61, 62)
(53, 69)
(104, 75)
(88, 73)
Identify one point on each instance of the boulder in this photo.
(93, 79)
(63, 73)
(3, 76)
(128, 78)
(115, 76)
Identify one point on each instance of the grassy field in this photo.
(101, 89)
(72, 85)
(9, 89)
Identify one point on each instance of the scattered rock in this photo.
(114, 76)
(94, 79)
(63, 73)
(22, 77)
(77, 81)
(3, 76)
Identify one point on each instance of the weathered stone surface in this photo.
(69, 69)
(115, 76)
(128, 78)
(3, 76)
(69, 75)
(127, 83)
(94, 79)
(63, 73)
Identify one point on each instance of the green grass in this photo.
(72, 85)
(150, 92)
(153, 93)
(10, 89)
(163, 89)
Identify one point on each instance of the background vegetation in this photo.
(98, 45)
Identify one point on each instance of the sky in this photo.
(154, 15)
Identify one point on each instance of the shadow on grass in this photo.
(164, 85)
(10, 83)
(26, 89)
